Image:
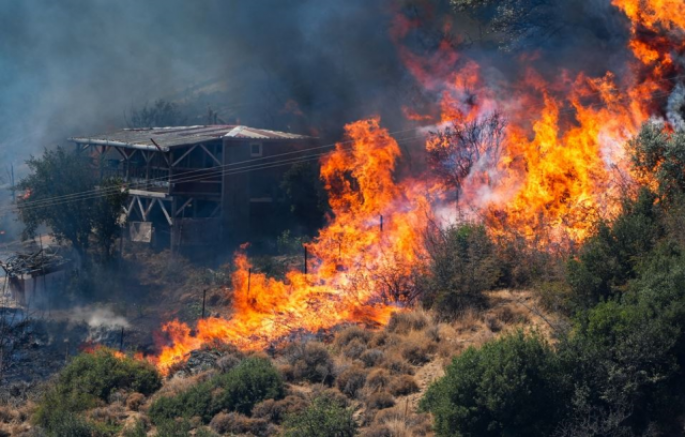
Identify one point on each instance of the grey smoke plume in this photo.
(71, 66)
(97, 318)
(676, 108)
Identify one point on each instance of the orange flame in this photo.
(560, 166)
(353, 258)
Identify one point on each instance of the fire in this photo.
(353, 264)
(553, 167)
(90, 348)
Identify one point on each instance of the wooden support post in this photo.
(381, 223)
(305, 259)
(204, 298)
(249, 276)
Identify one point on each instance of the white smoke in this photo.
(676, 107)
(99, 318)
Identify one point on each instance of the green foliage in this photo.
(323, 418)
(75, 217)
(463, 265)
(85, 382)
(250, 382)
(100, 373)
(661, 155)
(161, 113)
(609, 259)
(509, 387)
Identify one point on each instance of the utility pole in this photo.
(305, 259)
(204, 298)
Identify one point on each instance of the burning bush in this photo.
(323, 418)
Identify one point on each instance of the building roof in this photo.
(177, 136)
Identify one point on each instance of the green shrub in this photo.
(323, 418)
(463, 265)
(608, 260)
(250, 382)
(509, 387)
(86, 381)
(100, 373)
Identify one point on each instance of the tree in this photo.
(454, 152)
(63, 193)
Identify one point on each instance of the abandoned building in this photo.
(197, 185)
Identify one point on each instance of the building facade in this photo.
(196, 186)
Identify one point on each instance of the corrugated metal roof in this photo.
(169, 137)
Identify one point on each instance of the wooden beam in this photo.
(187, 202)
(175, 163)
(166, 214)
(142, 210)
(211, 155)
(130, 206)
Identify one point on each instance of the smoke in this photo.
(98, 318)
(71, 67)
(676, 107)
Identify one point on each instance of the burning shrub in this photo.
(351, 380)
(403, 385)
(323, 418)
(380, 400)
(310, 362)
